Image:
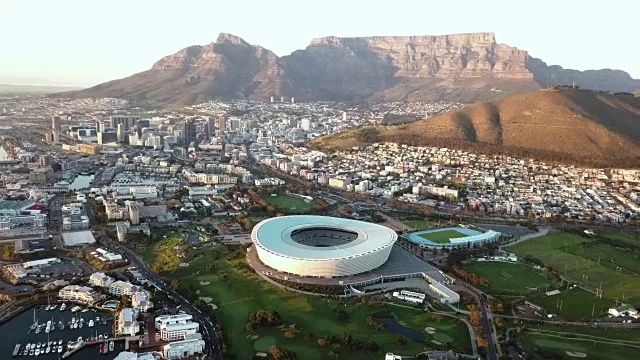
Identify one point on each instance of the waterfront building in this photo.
(127, 323)
(80, 294)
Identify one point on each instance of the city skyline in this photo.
(72, 43)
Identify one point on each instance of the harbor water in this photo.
(81, 182)
(19, 331)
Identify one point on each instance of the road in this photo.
(208, 321)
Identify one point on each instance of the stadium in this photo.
(321, 246)
(452, 237)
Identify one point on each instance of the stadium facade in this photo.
(322, 246)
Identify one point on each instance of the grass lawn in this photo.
(442, 237)
(587, 261)
(417, 224)
(238, 293)
(577, 304)
(509, 278)
(163, 252)
(570, 343)
(289, 204)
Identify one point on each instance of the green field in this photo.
(163, 254)
(238, 293)
(577, 304)
(569, 343)
(588, 261)
(442, 237)
(418, 224)
(509, 278)
(289, 204)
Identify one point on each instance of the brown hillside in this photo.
(572, 124)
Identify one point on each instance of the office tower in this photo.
(344, 116)
(107, 137)
(206, 129)
(120, 132)
(127, 121)
(189, 132)
(235, 124)
(272, 99)
(281, 98)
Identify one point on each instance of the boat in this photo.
(53, 307)
(16, 350)
(75, 325)
(59, 349)
(90, 323)
(79, 339)
(85, 310)
(38, 330)
(106, 336)
(47, 308)
(81, 324)
(63, 306)
(38, 345)
(101, 347)
(100, 337)
(48, 350)
(31, 352)
(97, 318)
(59, 342)
(75, 308)
(37, 352)
(111, 345)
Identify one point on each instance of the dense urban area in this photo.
(156, 225)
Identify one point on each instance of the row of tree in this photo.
(471, 278)
(263, 318)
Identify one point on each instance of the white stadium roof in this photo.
(274, 235)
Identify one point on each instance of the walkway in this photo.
(541, 232)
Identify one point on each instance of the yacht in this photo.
(37, 352)
(85, 310)
(38, 345)
(111, 345)
(100, 337)
(81, 324)
(47, 308)
(105, 336)
(90, 323)
(75, 308)
(59, 349)
(53, 307)
(63, 306)
(27, 347)
(48, 350)
(59, 342)
(79, 339)
(31, 352)
(75, 325)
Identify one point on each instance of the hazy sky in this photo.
(85, 42)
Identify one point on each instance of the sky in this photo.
(81, 42)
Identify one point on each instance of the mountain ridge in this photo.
(465, 67)
(565, 125)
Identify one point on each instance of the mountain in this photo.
(460, 67)
(576, 125)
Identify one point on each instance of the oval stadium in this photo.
(322, 246)
(452, 237)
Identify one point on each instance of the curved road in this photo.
(208, 321)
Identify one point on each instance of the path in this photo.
(541, 232)
(394, 223)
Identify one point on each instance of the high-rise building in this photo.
(105, 137)
(127, 121)
(55, 123)
(235, 124)
(206, 129)
(121, 132)
(190, 132)
(222, 123)
(305, 124)
(293, 123)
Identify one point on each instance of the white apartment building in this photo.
(80, 294)
(174, 327)
(183, 348)
(140, 300)
(127, 322)
(99, 279)
(121, 288)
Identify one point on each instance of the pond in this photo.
(81, 182)
(392, 325)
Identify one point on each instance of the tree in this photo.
(276, 352)
(401, 340)
(175, 284)
(481, 341)
(342, 316)
(475, 316)
(334, 354)
(372, 346)
(345, 339)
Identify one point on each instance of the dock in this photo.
(126, 339)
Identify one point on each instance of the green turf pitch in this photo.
(509, 278)
(442, 237)
(289, 204)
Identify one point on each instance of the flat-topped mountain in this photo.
(575, 125)
(460, 67)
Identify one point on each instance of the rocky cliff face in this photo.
(459, 67)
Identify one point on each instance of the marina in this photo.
(50, 332)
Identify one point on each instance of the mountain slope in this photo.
(459, 67)
(568, 124)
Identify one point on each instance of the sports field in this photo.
(289, 204)
(576, 343)
(238, 293)
(417, 224)
(442, 237)
(575, 304)
(509, 278)
(588, 261)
